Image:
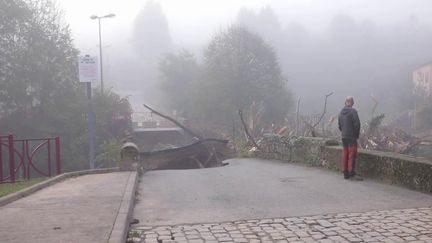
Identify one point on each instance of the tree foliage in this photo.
(179, 75)
(151, 35)
(351, 56)
(113, 113)
(241, 68)
(40, 93)
(264, 22)
(38, 64)
(151, 40)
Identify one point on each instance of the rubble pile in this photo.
(385, 138)
(389, 139)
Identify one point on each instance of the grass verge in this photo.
(8, 188)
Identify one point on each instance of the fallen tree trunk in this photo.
(202, 154)
(187, 130)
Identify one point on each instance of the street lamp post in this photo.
(111, 15)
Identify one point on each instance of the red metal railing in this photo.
(21, 157)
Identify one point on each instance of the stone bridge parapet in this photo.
(404, 170)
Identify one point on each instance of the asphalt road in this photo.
(256, 189)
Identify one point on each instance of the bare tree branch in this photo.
(411, 146)
(324, 110)
(187, 130)
(375, 104)
(297, 116)
(323, 113)
(312, 131)
(251, 139)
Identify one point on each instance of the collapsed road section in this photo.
(186, 150)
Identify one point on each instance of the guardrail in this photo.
(22, 158)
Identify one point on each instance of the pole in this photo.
(233, 131)
(297, 117)
(58, 162)
(1, 160)
(100, 56)
(11, 158)
(49, 157)
(90, 125)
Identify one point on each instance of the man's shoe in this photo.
(346, 175)
(356, 178)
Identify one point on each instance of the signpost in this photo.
(88, 73)
(88, 69)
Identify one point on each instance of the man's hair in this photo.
(349, 101)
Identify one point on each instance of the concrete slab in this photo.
(255, 189)
(80, 209)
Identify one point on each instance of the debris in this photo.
(201, 154)
(249, 136)
(194, 135)
(378, 137)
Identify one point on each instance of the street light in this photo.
(111, 15)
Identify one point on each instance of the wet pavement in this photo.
(255, 189)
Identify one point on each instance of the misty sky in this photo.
(194, 21)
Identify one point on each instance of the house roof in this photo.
(424, 64)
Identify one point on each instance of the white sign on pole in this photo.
(88, 69)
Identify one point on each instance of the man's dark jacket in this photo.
(349, 123)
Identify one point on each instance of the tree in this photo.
(38, 76)
(39, 60)
(151, 41)
(241, 68)
(178, 77)
(38, 70)
(151, 36)
(40, 93)
(113, 115)
(265, 23)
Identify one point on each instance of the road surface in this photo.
(256, 189)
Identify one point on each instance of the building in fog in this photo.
(422, 78)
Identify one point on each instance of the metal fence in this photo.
(21, 159)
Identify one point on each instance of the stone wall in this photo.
(411, 172)
(294, 149)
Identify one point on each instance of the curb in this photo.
(27, 191)
(120, 228)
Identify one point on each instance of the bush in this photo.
(243, 148)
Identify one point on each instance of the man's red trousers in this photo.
(349, 154)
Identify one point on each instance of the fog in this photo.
(356, 47)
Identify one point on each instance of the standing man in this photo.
(349, 125)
